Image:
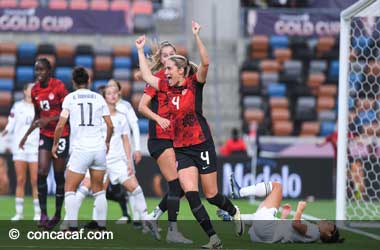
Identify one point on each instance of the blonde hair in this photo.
(184, 63)
(155, 59)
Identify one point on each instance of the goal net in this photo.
(358, 183)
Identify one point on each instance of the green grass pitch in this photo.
(126, 237)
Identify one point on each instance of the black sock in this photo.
(200, 212)
(117, 193)
(223, 202)
(123, 205)
(59, 191)
(42, 192)
(164, 203)
(173, 199)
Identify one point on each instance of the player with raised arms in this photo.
(193, 143)
(85, 110)
(47, 97)
(154, 106)
(19, 120)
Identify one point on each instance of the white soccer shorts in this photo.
(80, 161)
(25, 156)
(118, 171)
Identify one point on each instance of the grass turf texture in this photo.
(126, 237)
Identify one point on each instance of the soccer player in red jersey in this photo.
(47, 97)
(193, 143)
(154, 105)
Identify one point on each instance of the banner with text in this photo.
(306, 22)
(64, 21)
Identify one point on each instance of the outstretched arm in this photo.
(297, 224)
(146, 74)
(203, 66)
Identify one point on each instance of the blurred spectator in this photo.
(234, 145)
(333, 139)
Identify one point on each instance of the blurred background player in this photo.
(194, 147)
(86, 110)
(154, 106)
(267, 228)
(234, 146)
(116, 192)
(19, 120)
(47, 97)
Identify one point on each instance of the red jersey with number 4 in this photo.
(185, 103)
(159, 105)
(48, 103)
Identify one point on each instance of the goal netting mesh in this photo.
(363, 147)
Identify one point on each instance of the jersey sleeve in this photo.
(125, 129)
(11, 120)
(150, 91)
(66, 104)
(62, 92)
(312, 231)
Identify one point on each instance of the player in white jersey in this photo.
(86, 110)
(113, 191)
(19, 121)
(267, 228)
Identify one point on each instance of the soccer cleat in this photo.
(17, 217)
(91, 225)
(44, 219)
(235, 188)
(239, 223)
(53, 222)
(37, 217)
(223, 215)
(123, 220)
(64, 225)
(214, 243)
(357, 194)
(153, 228)
(177, 237)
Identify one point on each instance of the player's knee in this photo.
(216, 199)
(175, 189)
(20, 181)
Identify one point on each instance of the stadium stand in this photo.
(102, 62)
(289, 85)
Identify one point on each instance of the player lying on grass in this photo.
(267, 228)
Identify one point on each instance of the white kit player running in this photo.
(86, 110)
(19, 121)
(267, 228)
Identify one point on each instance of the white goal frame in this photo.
(361, 8)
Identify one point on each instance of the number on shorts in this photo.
(205, 157)
(82, 115)
(45, 106)
(175, 101)
(61, 145)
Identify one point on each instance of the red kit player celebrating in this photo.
(47, 96)
(193, 143)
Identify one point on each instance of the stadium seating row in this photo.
(102, 62)
(136, 6)
(288, 85)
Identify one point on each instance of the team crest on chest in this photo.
(51, 96)
(184, 92)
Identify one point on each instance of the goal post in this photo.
(355, 86)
